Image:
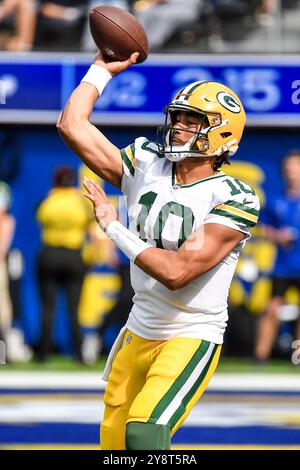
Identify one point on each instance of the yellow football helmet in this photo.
(220, 130)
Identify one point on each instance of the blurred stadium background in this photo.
(253, 47)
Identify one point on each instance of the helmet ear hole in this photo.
(226, 134)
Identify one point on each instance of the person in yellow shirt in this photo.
(64, 218)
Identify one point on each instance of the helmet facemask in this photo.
(194, 147)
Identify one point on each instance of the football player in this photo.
(188, 222)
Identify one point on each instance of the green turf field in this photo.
(229, 365)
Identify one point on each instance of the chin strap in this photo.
(176, 153)
(182, 154)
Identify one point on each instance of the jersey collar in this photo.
(220, 174)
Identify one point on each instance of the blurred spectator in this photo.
(118, 316)
(19, 15)
(161, 18)
(7, 229)
(99, 292)
(282, 226)
(60, 24)
(64, 217)
(16, 350)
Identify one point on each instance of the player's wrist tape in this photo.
(129, 243)
(97, 76)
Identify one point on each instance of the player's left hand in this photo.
(103, 209)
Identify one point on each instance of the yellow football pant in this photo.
(155, 382)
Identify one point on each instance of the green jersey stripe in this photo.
(179, 382)
(242, 207)
(148, 145)
(234, 217)
(132, 146)
(127, 162)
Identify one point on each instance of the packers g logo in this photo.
(228, 102)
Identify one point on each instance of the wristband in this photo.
(129, 243)
(97, 76)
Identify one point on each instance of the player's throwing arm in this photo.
(121, 39)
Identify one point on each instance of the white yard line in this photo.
(92, 381)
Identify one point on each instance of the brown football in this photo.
(117, 33)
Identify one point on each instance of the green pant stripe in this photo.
(234, 217)
(184, 403)
(179, 382)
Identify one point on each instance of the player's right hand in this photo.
(115, 67)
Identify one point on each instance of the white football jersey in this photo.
(164, 213)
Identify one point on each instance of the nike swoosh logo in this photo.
(246, 202)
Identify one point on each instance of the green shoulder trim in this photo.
(147, 145)
(128, 157)
(242, 207)
(234, 217)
